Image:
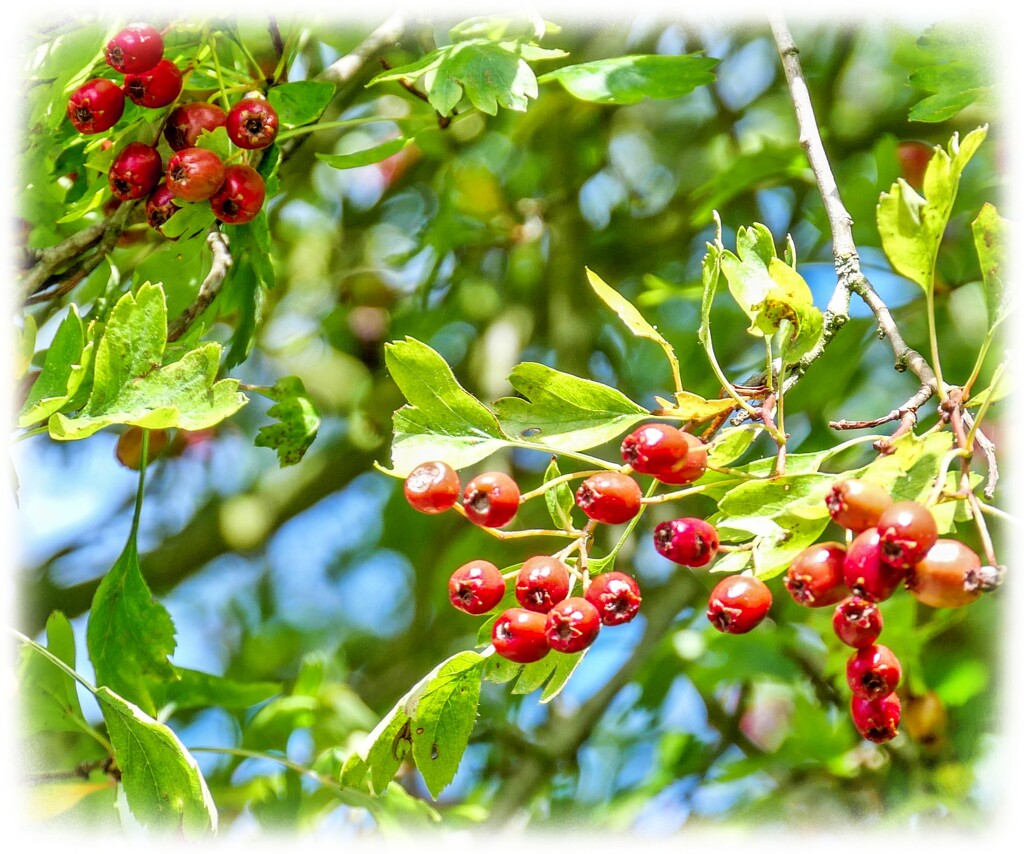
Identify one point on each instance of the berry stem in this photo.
(693, 490)
(344, 123)
(940, 480)
(518, 535)
(220, 77)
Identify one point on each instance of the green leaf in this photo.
(773, 555)
(191, 219)
(48, 695)
(959, 73)
(129, 634)
(499, 28)
(217, 141)
(990, 239)
(374, 154)
(789, 308)
(746, 270)
(132, 386)
(298, 421)
(65, 367)
(729, 445)
(559, 498)
(797, 494)
(162, 782)
(630, 79)
(300, 102)
(562, 411)
(192, 689)
(552, 671)
(442, 420)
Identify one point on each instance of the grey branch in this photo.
(210, 287)
(342, 71)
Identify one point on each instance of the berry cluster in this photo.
(235, 191)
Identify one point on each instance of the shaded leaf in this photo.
(48, 695)
(958, 75)
(192, 689)
(559, 498)
(990, 240)
(631, 79)
(298, 420)
(65, 367)
(300, 102)
(374, 154)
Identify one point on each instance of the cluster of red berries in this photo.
(236, 192)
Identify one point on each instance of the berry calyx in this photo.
(873, 672)
(738, 604)
(857, 622)
(864, 571)
(654, 448)
(252, 123)
(187, 122)
(241, 196)
(135, 172)
(572, 625)
(616, 597)
(96, 106)
(856, 504)
(946, 576)
(876, 720)
(432, 487)
(155, 88)
(476, 587)
(491, 499)
(609, 497)
(160, 206)
(194, 174)
(542, 582)
(137, 48)
(815, 577)
(907, 530)
(689, 541)
(519, 636)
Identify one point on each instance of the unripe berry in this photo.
(160, 206)
(925, 719)
(857, 622)
(689, 541)
(572, 625)
(187, 122)
(873, 672)
(128, 449)
(432, 487)
(135, 172)
(155, 88)
(738, 604)
(945, 576)
(476, 587)
(856, 504)
(542, 582)
(518, 635)
(96, 106)
(137, 48)
(815, 577)
(616, 597)
(609, 497)
(876, 720)
(864, 571)
(907, 530)
(491, 500)
(194, 174)
(252, 123)
(241, 196)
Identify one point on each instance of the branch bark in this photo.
(208, 290)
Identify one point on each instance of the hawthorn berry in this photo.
(252, 123)
(128, 449)
(491, 499)
(689, 541)
(873, 672)
(944, 577)
(519, 636)
(907, 530)
(616, 597)
(876, 720)
(241, 196)
(96, 106)
(572, 625)
(195, 174)
(432, 487)
(857, 622)
(135, 172)
(609, 497)
(654, 448)
(738, 604)
(160, 206)
(856, 504)
(155, 88)
(476, 587)
(187, 122)
(542, 582)
(914, 157)
(864, 571)
(137, 48)
(925, 718)
(815, 577)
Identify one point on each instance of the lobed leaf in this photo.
(631, 79)
(298, 420)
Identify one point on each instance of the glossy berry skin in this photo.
(187, 122)
(135, 172)
(491, 499)
(155, 88)
(137, 48)
(160, 206)
(856, 504)
(815, 577)
(542, 583)
(432, 487)
(864, 571)
(609, 497)
(944, 578)
(616, 597)
(857, 622)
(572, 625)
(476, 587)
(252, 123)
(519, 636)
(689, 541)
(654, 448)
(96, 106)
(194, 174)
(907, 531)
(876, 720)
(691, 467)
(873, 672)
(738, 604)
(241, 196)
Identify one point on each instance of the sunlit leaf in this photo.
(631, 79)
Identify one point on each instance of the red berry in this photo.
(476, 587)
(946, 576)
(689, 541)
(187, 122)
(542, 583)
(194, 174)
(491, 500)
(609, 497)
(856, 504)
(689, 468)
(873, 672)
(914, 157)
(572, 625)
(160, 206)
(155, 88)
(252, 123)
(876, 720)
(137, 48)
(815, 577)
(241, 196)
(738, 603)
(616, 597)
(432, 487)
(907, 530)
(857, 622)
(518, 635)
(135, 172)
(864, 571)
(96, 106)
(654, 448)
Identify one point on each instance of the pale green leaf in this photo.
(64, 368)
(990, 240)
(631, 79)
(374, 154)
(48, 695)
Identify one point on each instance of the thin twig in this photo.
(210, 287)
(989, 450)
(342, 71)
(921, 396)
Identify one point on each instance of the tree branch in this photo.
(342, 71)
(208, 290)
